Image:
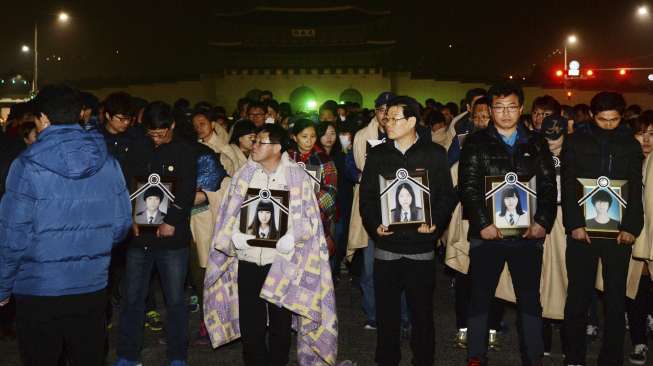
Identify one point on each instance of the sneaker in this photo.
(153, 321)
(592, 330)
(202, 338)
(638, 357)
(193, 304)
(461, 338)
(493, 340)
(126, 362)
(547, 354)
(370, 325)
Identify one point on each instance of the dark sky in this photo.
(166, 38)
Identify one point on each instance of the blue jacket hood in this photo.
(68, 151)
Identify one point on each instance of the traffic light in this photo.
(623, 72)
(559, 73)
(589, 73)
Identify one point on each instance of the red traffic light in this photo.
(623, 72)
(589, 72)
(559, 73)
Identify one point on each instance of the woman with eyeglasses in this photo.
(308, 152)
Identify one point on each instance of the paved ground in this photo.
(355, 343)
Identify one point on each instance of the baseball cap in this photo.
(383, 98)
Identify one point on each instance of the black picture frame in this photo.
(277, 200)
(415, 183)
(315, 173)
(142, 186)
(615, 190)
(498, 189)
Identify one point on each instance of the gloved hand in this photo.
(240, 240)
(286, 244)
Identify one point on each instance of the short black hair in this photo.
(89, 101)
(642, 122)
(158, 115)
(181, 103)
(256, 104)
(153, 191)
(504, 89)
(301, 124)
(434, 117)
(452, 107)
(60, 103)
(276, 134)
(119, 103)
(547, 102)
(273, 104)
(607, 101)
(481, 101)
(409, 105)
(602, 196)
(266, 92)
(201, 112)
(473, 93)
(204, 105)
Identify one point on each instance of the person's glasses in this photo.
(380, 110)
(123, 119)
(259, 142)
(512, 109)
(158, 135)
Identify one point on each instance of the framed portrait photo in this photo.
(405, 199)
(511, 202)
(151, 198)
(603, 202)
(264, 214)
(315, 173)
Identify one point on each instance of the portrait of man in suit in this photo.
(152, 214)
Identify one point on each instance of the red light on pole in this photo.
(569, 94)
(590, 72)
(622, 72)
(559, 73)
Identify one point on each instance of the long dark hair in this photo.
(256, 223)
(413, 206)
(510, 192)
(321, 130)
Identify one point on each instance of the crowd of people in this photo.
(262, 212)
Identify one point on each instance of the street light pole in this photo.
(36, 59)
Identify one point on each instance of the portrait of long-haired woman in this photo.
(406, 209)
(263, 224)
(512, 212)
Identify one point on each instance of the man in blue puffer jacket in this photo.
(65, 205)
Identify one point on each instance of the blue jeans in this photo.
(367, 287)
(172, 265)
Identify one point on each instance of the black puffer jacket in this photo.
(385, 159)
(594, 152)
(485, 154)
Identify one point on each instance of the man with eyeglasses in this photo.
(256, 112)
(505, 146)
(607, 148)
(404, 259)
(256, 269)
(167, 246)
(543, 107)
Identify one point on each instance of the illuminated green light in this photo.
(341, 102)
(311, 104)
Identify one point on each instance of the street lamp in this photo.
(62, 18)
(642, 11)
(571, 40)
(24, 48)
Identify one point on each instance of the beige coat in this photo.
(202, 224)
(357, 235)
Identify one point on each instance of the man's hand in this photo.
(625, 238)
(383, 231)
(425, 229)
(5, 302)
(535, 231)
(135, 229)
(164, 230)
(581, 235)
(491, 233)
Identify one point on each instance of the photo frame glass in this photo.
(405, 199)
(315, 173)
(511, 202)
(603, 203)
(151, 198)
(264, 214)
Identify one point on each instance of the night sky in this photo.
(168, 39)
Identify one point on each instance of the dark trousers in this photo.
(46, 326)
(638, 309)
(582, 260)
(196, 275)
(172, 265)
(463, 290)
(255, 314)
(525, 264)
(417, 279)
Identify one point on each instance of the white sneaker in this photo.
(638, 357)
(592, 330)
(649, 321)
